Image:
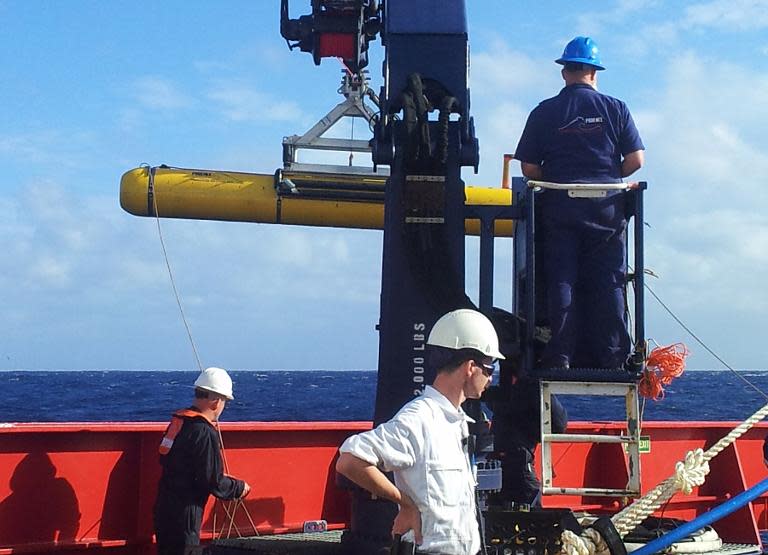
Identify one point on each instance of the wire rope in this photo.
(170, 271)
(704, 345)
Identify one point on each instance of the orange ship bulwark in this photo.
(89, 488)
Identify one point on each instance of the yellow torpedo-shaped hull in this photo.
(335, 201)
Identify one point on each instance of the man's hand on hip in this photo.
(408, 518)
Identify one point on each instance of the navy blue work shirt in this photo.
(579, 136)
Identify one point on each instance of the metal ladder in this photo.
(631, 440)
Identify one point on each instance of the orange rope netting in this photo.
(663, 365)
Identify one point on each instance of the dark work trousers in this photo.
(519, 481)
(585, 258)
(182, 550)
(177, 528)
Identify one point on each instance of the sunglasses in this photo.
(487, 368)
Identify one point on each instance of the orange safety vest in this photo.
(177, 421)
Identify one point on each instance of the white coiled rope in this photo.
(589, 543)
(689, 473)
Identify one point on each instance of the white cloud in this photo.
(710, 261)
(243, 103)
(158, 93)
(731, 15)
(17, 146)
(507, 72)
(213, 66)
(63, 149)
(647, 41)
(130, 120)
(82, 273)
(54, 238)
(706, 133)
(651, 26)
(51, 271)
(596, 21)
(272, 56)
(736, 15)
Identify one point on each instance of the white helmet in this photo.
(466, 329)
(216, 380)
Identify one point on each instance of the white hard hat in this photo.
(466, 329)
(216, 380)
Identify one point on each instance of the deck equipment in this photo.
(424, 133)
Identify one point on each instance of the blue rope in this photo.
(707, 518)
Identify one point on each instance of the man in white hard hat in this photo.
(425, 443)
(190, 454)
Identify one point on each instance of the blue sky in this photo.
(91, 89)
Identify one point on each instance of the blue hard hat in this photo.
(581, 50)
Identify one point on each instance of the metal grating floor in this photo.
(318, 543)
(329, 543)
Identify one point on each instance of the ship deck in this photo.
(329, 543)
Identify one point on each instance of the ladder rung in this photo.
(589, 492)
(587, 438)
(603, 375)
(590, 388)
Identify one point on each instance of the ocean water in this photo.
(278, 395)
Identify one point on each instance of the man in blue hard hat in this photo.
(583, 136)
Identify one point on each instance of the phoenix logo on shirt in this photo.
(581, 124)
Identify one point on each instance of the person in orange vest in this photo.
(190, 454)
